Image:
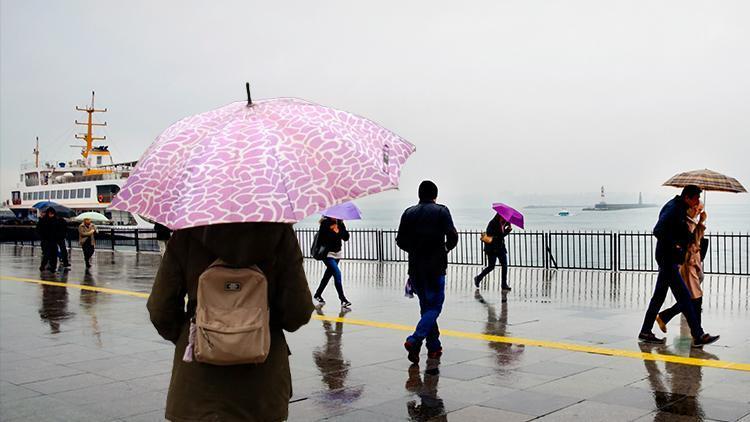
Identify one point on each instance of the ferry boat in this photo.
(85, 184)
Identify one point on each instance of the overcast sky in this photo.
(502, 98)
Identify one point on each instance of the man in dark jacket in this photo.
(672, 237)
(495, 250)
(52, 230)
(427, 233)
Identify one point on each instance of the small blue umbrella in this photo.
(62, 210)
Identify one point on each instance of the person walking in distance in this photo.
(86, 232)
(52, 230)
(691, 269)
(672, 239)
(494, 248)
(427, 234)
(331, 234)
(45, 228)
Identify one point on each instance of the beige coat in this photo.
(692, 269)
(86, 233)
(253, 392)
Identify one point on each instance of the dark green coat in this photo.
(202, 392)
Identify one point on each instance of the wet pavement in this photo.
(77, 355)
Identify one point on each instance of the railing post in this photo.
(137, 243)
(545, 242)
(380, 245)
(112, 237)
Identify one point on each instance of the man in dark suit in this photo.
(672, 237)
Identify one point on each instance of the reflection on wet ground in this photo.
(75, 354)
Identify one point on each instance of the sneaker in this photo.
(319, 299)
(346, 304)
(413, 350)
(477, 280)
(435, 354)
(506, 288)
(662, 325)
(650, 338)
(706, 339)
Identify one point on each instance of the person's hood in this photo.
(239, 243)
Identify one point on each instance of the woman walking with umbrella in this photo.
(267, 172)
(331, 234)
(494, 242)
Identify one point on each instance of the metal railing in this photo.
(728, 253)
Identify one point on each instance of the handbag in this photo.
(485, 238)
(317, 250)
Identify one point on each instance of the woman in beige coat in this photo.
(253, 392)
(691, 269)
(86, 232)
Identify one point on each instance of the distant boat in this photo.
(563, 213)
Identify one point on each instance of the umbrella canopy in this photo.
(509, 213)
(279, 160)
(345, 211)
(61, 210)
(706, 180)
(93, 216)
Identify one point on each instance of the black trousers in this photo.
(502, 256)
(88, 251)
(669, 313)
(669, 278)
(49, 255)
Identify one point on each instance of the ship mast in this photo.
(36, 154)
(89, 135)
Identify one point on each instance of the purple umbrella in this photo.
(345, 211)
(509, 214)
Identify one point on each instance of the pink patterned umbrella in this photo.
(278, 160)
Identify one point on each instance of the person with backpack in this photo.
(245, 285)
(427, 234)
(331, 234)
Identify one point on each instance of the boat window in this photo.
(80, 193)
(55, 194)
(99, 160)
(105, 193)
(46, 194)
(66, 193)
(88, 192)
(73, 193)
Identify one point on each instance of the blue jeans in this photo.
(332, 270)
(431, 297)
(669, 278)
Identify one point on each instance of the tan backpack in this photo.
(231, 317)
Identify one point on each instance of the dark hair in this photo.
(50, 210)
(690, 191)
(428, 191)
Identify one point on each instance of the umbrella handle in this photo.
(249, 99)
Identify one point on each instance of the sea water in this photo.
(729, 218)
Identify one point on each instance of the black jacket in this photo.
(427, 233)
(672, 233)
(51, 229)
(498, 232)
(330, 239)
(162, 232)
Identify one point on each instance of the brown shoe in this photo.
(662, 325)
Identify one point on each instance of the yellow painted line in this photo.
(77, 286)
(571, 347)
